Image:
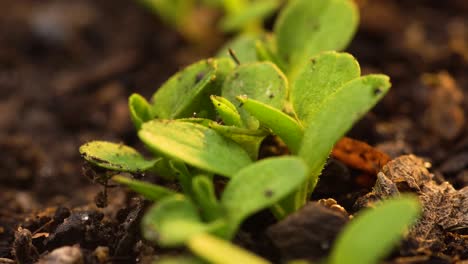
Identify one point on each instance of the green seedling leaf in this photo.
(140, 110)
(255, 12)
(219, 251)
(227, 111)
(336, 116)
(243, 46)
(373, 233)
(187, 92)
(322, 76)
(149, 191)
(195, 145)
(172, 221)
(173, 12)
(262, 81)
(264, 50)
(117, 157)
(180, 260)
(306, 27)
(204, 195)
(183, 175)
(259, 186)
(249, 139)
(286, 127)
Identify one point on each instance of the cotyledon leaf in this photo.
(195, 145)
(262, 81)
(117, 157)
(140, 110)
(259, 186)
(373, 233)
(335, 117)
(305, 28)
(187, 92)
(220, 251)
(256, 11)
(322, 76)
(249, 139)
(172, 221)
(284, 126)
(243, 46)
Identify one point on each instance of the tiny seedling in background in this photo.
(210, 119)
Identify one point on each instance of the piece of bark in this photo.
(359, 155)
(444, 208)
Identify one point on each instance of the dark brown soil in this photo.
(68, 67)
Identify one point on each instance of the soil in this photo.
(68, 67)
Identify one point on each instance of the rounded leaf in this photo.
(320, 78)
(194, 144)
(261, 185)
(262, 81)
(114, 156)
(373, 233)
(307, 27)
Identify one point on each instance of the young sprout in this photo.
(291, 83)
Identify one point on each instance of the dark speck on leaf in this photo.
(271, 96)
(241, 104)
(219, 104)
(313, 61)
(268, 193)
(199, 77)
(377, 91)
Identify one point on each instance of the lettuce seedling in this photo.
(210, 119)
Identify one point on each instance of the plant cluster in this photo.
(209, 120)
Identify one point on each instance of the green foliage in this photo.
(194, 144)
(140, 110)
(149, 191)
(113, 156)
(173, 12)
(243, 46)
(256, 187)
(286, 127)
(218, 251)
(261, 185)
(375, 232)
(174, 220)
(255, 11)
(188, 91)
(211, 118)
(262, 81)
(320, 78)
(306, 28)
(345, 106)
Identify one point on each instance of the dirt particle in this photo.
(377, 91)
(199, 77)
(63, 255)
(269, 193)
